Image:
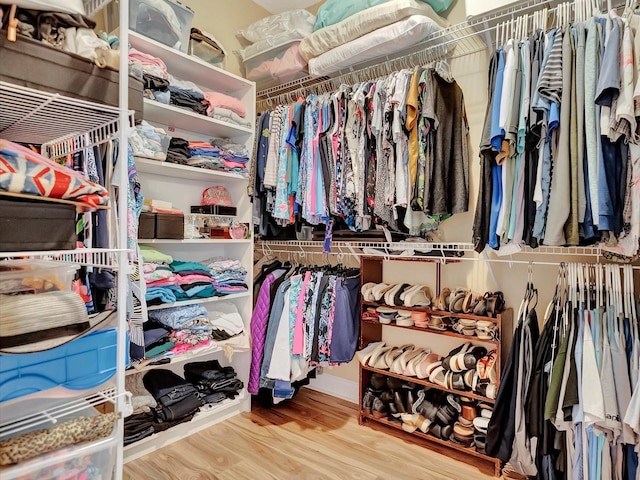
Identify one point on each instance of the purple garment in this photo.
(259, 321)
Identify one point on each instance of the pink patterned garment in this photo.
(25, 171)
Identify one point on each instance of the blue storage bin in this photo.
(81, 364)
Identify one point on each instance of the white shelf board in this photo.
(218, 413)
(147, 165)
(208, 241)
(201, 353)
(199, 301)
(183, 119)
(191, 68)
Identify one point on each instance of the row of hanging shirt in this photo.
(560, 160)
(569, 399)
(391, 151)
(303, 316)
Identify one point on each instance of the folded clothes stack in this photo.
(219, 154)
(228, 275)
(213, 382)
(170, 281)
(176, 398)
(141, 63)
(176, 330)
(148, 141)
(163, 399)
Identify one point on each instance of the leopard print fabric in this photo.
(39, 442)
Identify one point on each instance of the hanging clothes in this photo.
(568, 397)
(393, 151)
(563, 131)
(304, 316)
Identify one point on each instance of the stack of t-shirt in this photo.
(228, 276)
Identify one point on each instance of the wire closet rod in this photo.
(454, 42)
(443, 259)
(356, 250)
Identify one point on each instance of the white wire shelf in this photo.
(47, 416)
(33, 116)
(446, 251)
(72, 143)
(90, 257)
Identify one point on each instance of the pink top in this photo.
(298, 331)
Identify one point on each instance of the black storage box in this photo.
(169, 226)
(35, 64)
(33, 225)
(147, 225)
(214, 210)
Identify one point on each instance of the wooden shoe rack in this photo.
(371, 270)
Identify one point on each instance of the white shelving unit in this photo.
(64, 125)
(183, 186)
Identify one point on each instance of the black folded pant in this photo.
(210, 371)
(167, 387)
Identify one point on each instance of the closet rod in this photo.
(443, 259)
(453, 42)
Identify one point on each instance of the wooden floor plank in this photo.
(313, 436)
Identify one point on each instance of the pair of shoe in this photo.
(463, 358)
(491, 304)
(399, 294)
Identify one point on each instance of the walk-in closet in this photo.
(319, 239)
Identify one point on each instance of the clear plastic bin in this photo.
(204, 50)
(94, 461)
(165, 21)
(35, 276)
(279, 64)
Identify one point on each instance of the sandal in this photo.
(495, 304)
(470, 302)
(456, 300)
(442, 301)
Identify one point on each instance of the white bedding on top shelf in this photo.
(268, 43)
(364, 22)
(384, 41)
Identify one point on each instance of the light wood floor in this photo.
(313, 436)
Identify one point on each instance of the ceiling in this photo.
(277, 6)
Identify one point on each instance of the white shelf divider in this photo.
(200, 301)
(183, 119)
(156, 167)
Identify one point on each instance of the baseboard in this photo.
(335, 386)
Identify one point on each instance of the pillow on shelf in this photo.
(298, 23)
(334, 11)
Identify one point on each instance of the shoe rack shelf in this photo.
(434, 440)
(446, 333)
(371, 270)
(428, 384)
